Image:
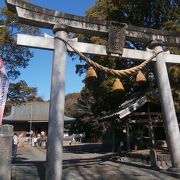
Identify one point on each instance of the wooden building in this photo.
(137, 123)
(32, 116)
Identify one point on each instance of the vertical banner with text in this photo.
(4, 85)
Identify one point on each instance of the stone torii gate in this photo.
(61, 24)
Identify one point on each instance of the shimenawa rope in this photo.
(114, 72)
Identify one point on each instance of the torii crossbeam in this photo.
(61, 24)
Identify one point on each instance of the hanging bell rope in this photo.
(117, 85)
(91, 74)
(140, 77)
(109, 70)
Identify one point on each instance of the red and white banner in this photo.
(4, 85)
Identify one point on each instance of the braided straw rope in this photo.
(114, 72)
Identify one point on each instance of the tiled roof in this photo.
(35, 111)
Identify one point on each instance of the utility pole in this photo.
(30, 129)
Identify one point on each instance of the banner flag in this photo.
(4, 85)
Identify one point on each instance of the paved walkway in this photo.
(81, 163)
(29, 164)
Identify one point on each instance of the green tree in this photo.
(71, 104)
(15, 57)
(86, 120)
(19, 93)
(143, 13)
(174, 76)
(161, 14)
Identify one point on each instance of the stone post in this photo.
(6, 133)
(153, 159)
(170, 119)
(56, 112)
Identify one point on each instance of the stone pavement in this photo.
(29, 164)
(81, 162)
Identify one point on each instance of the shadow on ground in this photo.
(85, 148)
(105, 168)
(97, 165)
(26, 166)
(86, 161)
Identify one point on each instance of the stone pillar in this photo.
(170, 119)
(56, 112)
(153, 159)
(6, 133)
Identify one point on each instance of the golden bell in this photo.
(117, 85)
(140, 77)
(91, 74)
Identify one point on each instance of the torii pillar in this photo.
(169, 114)
(56, 112)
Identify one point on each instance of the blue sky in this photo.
(38, 73)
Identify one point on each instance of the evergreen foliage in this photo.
(160, 14)
(15, 57)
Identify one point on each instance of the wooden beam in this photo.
(48, 43)
(42, 17)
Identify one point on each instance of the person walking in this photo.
(35, 141)
(39, 139)
(14, 145)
